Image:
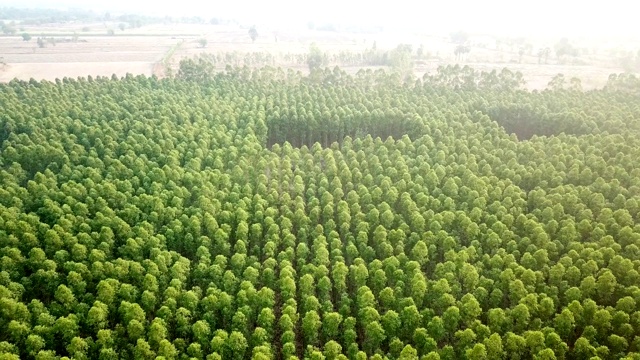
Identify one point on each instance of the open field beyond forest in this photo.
(83, 49)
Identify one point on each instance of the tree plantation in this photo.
(263, 214)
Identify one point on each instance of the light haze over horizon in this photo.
(556, 18)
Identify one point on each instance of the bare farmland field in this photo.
(89, 55)
(102, 49)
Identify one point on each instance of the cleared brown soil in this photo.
(145, 50)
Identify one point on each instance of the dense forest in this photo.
(264, 214)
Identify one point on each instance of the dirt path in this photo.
(164, 67)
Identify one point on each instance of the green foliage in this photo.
(401, 60)
(265, 214)
(316, 59)
(8, 28)
(564, 47)
(200, 69)
(253, 34)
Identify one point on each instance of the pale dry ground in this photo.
(142, 50)
(92, 55)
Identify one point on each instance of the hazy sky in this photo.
(508, 17)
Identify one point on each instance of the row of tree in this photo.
(264, 214)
